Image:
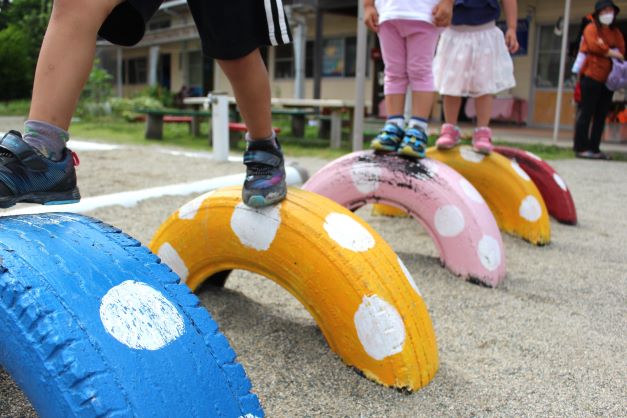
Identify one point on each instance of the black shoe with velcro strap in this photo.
(265, 174)
(27, 176)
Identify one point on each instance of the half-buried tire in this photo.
(92, 324)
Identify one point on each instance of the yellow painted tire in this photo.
(349, 279)
(515, 201)
(381, 209)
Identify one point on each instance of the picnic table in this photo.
(335, 107)
(156, 117)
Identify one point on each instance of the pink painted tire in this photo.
(447, 205)
(552, 187)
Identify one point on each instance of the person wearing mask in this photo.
(601, 42)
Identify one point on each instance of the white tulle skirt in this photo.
(473, 61)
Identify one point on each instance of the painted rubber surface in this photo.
(515, 201)
(364, 300)
(552, 187)
(93, 325)
(379, 209)
(447, 205)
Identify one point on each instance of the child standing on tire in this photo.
(38, 168)
(408, 32)
(473, 60)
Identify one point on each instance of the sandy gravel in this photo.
(549, 342)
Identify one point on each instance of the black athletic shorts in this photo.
(229, 29)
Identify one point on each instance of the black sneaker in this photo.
(265, 174)
(26, 176)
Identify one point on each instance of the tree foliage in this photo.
(16, 68)
(22, 27)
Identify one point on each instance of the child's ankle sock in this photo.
(420, 123)
(398, 120)
(48, 139)
(262, 143)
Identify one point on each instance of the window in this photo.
(350, 57)
(195, 68)
(339, 58)
(333, 57)
(309, 59)
(135, 71)
(284, 61)
(159, 24)
(548, 65)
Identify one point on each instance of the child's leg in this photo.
(483, 105)
(395, 86)
(394, 54)
(482, 137)
(452, 106)
(38, 168)
(450, 134)
(66, 58)
(249, 78)
(421, 40)
(265, 172)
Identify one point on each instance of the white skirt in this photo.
(473, 61)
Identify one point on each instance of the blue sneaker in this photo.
(414, 143)
(388, 139)
(265, 174)
(27, 176)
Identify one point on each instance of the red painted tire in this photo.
(552, 187)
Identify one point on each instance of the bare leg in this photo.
(249, 77)
(66, 58)
(484, 110)
(395, 104)
(422, 103)
(452, 105)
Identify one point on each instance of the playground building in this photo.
(321, 63)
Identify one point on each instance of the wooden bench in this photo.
(155, 118)
(298, 118)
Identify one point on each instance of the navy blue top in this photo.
(475, 12)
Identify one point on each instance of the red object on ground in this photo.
(552, 187)
(240, 127)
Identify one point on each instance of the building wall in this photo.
(332, 87)
(541, 101)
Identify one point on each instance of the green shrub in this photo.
(16, 69)
(126, 108)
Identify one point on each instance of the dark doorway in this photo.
(164, 73)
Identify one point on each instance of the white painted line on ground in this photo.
(77, 145)
(129, 199)
(200, 154)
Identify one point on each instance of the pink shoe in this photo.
(482, 141)
(449, 137)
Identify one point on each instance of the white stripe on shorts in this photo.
(270, 19)
(282, 22)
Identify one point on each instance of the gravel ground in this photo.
(549, 342)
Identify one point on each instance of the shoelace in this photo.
(259, 169)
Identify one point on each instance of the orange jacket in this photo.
(596, 43)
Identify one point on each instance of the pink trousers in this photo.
(408, 48)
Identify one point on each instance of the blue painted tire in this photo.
(92, 324)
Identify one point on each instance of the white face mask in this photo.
(606, 18)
